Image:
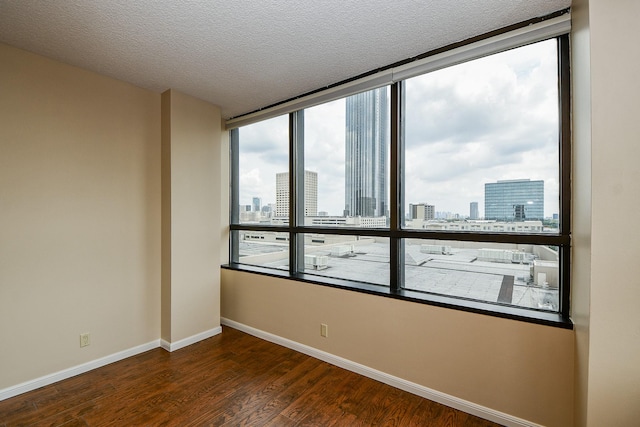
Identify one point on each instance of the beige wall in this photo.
(614, 318)
(80, 216)
(82, 194)
(519, 368)
(581, 198)
(191, 216)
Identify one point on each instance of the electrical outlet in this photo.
(84, 340)
(324, 330)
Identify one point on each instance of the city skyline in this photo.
(455, 143)
(505, 200)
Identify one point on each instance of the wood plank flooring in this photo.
(232, 379)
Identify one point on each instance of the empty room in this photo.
(319, 213)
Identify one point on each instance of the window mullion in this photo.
(234, 192)
(396, 201)
(296, 191)
(564, 91)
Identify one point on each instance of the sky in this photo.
(490, 119)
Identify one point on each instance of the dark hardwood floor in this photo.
(228, 380)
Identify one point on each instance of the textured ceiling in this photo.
(246, 54)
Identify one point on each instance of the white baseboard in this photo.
(417, 389)
(76, 370)
(85, 367)
(173, 346)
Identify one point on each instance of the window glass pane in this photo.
(357, 258)
(482, 144)
(512, 274)
(263, 151)
(347, 161)
(263, 248)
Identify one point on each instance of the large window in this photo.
(449, 188)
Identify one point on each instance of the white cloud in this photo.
(491, 119)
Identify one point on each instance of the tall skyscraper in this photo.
(310, 194)
(514, 200)
(473, 210)
(367, 142)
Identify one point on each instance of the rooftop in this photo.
(458, 273)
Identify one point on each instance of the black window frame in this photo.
(395, 232)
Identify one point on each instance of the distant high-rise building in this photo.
(422, 211)
(282, 194)
(514, 200)
(310, 194)
(473, 210)
(256, 204)
(367, 142)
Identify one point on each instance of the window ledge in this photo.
(489, 309)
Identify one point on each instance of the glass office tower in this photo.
(367, 150)
(514, 200)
